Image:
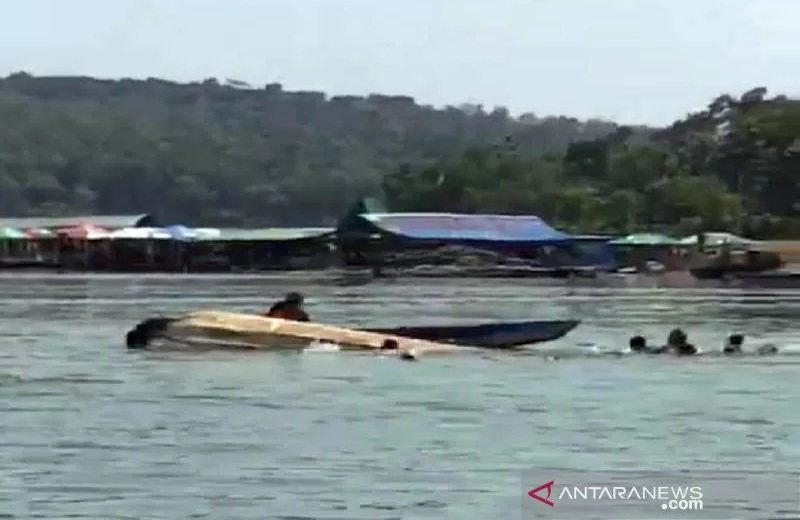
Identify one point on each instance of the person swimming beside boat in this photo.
(677, 344)
(289, 308)
(392, 344)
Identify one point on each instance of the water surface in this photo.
(92, 431)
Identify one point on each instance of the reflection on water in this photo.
(92, 431)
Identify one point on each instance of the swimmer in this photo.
(637, 344)
(765, 350)
(408, 355)
(393, 345)
(733, 345)
(677, 345)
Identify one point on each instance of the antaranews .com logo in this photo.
(681, 498)
(695, 495)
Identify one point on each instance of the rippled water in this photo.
(91, 431)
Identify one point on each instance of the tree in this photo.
(207, 153)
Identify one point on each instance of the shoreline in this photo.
(344, 278)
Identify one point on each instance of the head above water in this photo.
(294, 298)
(736, 340)
(676, 337)
(733, 345)
(637, 343)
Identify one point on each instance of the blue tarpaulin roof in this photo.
(450, 226)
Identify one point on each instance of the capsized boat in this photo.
(216, 329)
(488, 335)
(485, 335)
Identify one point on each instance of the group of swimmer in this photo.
(678, 345)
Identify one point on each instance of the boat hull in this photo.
(488, 335)
(232, 330)
(237, 331)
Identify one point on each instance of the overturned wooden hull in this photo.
(234, 330)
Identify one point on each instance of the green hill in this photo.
(231, 154)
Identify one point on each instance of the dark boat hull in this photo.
(488, 335)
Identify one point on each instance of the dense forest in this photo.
(231, 154)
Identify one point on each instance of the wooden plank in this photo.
(274, 333)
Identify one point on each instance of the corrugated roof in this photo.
(645, 239)
(104, 221)
(718, 238)
(267, 234)
(453, 226)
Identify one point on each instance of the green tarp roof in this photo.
(8, 233)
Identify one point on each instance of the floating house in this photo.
(261, 249)
(595, 252)
(178, 248)
(62, 242)
(140, 243)
(645, 252)
(368, 234)
(99, 221)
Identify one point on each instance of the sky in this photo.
(633, 61)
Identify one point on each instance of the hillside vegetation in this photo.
(231, 154)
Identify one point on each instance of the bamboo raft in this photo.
(257, 332)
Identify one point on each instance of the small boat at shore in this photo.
(205, 328)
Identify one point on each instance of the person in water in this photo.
(678, 344)
(734, 344)
(392, 344)
(637, 344)
(290, 308)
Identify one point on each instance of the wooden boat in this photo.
(488, 335)
(233, 330)
(484, 335)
